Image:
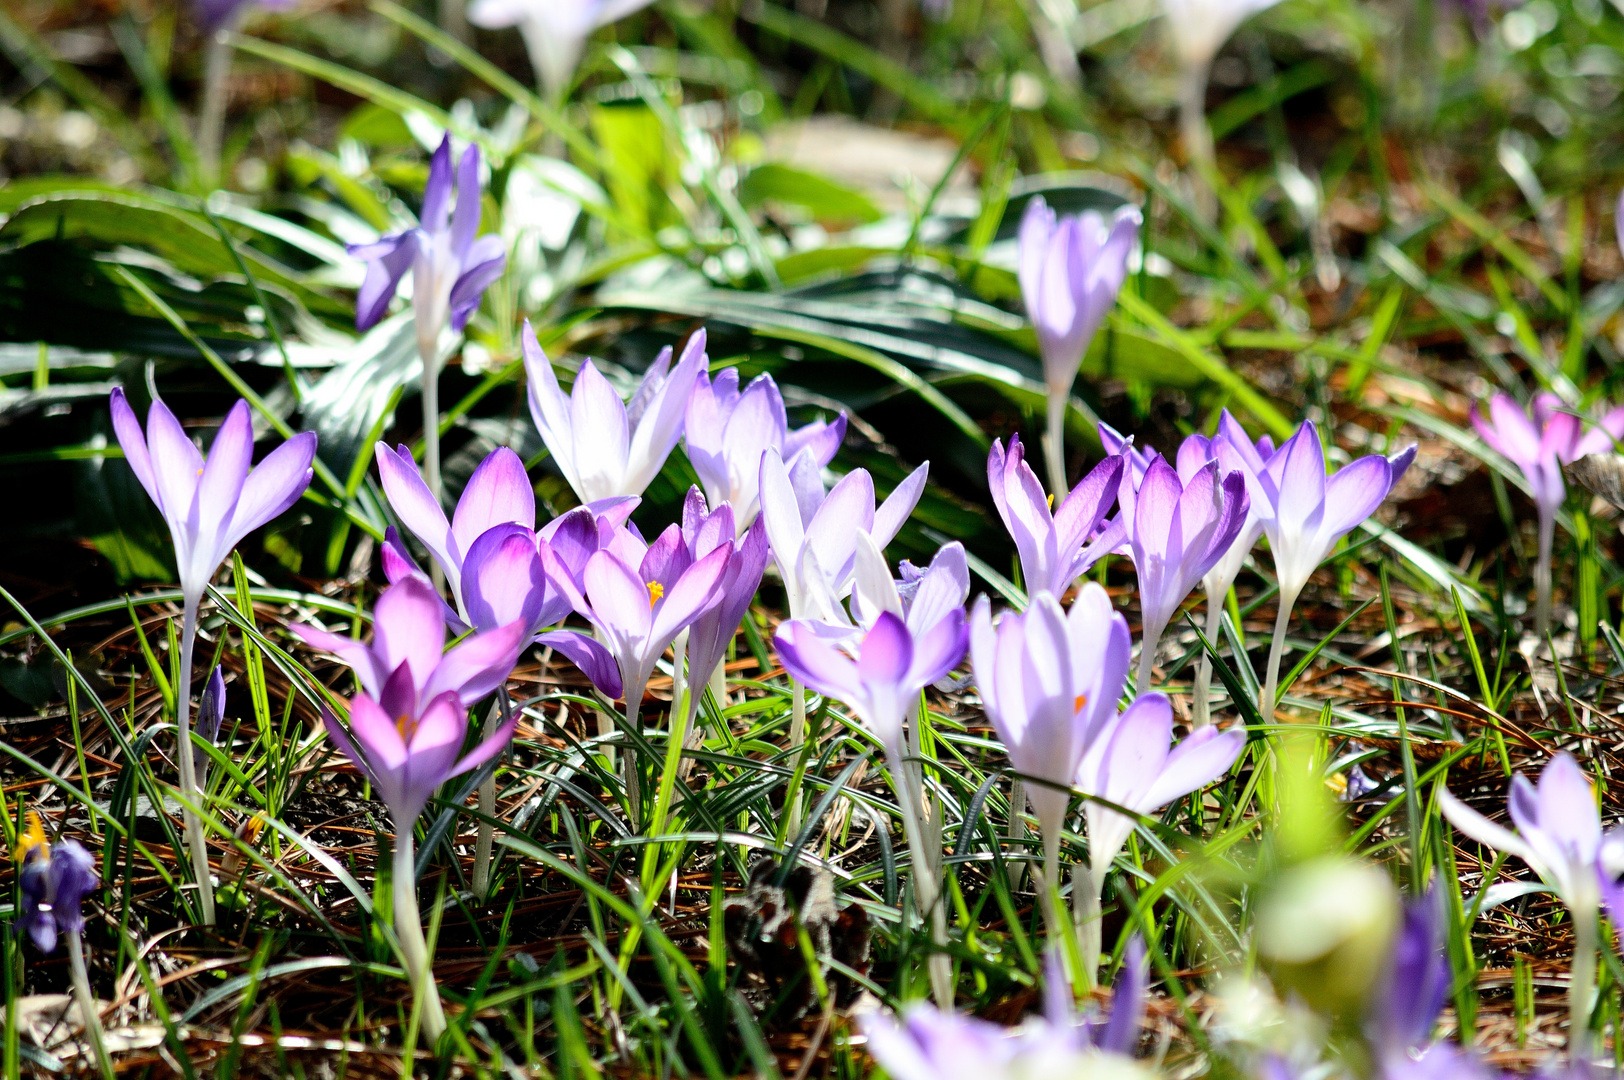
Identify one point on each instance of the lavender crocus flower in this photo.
(814, 535)
(1134, 764)
(726, 432)
(209, 507)
(408, 643)
(492, 557)
(1559, 836)
(554, 31)
(704, 531)
(1307, 513)
(52, 886)
(938, 1044)
(211, 714)
(1050, 681)
(880, 684)
(1177, 528)
(451, 267)
(921, 597)
(1054, 545)
(1071, 269)
(604, 447)
(1540, 446)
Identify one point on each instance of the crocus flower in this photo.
(1559, 836)
(1307, 512)
(1053, 545)
(52, 883)
(704, 531)
(922, 597)
(1540, 447)
(1177, 528)
(491, 555)
(605, 447)
(209, 507)
(408, 635)
(555, 31)
(1071, 269)
(938, 1044)
(450, 263)
(1050, 681)
(813, 534)
(1134, 764)
(726, 432)
(1406, 1000)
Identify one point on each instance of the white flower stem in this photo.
(87, 1004)
(1542, 573)
(429, 353)
(925, 886)
(190, 796)
(211, 122)
(696, 730)
(1015, 830)
(1150, 639)
(797, 739)
(409, 929)
(628, 762)
(1086, 908)
(1582, 984)
(1203, 667)
(681, 719)
(1277, 647)
(1054, 447)
(1197, 138)
(485, 839)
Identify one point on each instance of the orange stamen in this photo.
(33, 839)
(656, 593)
(1077, 706)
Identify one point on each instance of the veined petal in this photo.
(437, 191)
(588, 655)
(889, 516)
(273, 486)
(886, 654)
(477, 665)
(341, 739)
(416, 507)
(659, 425)
(549, 408)
(697, 590)
(848, 509)
(937, 651)
(134, 443)
(814, 663)
(176, 464)
(1486, 832)
(1352, 495)
(620, 599)
(221, 484)
(1204, 756)
(498, 493)
(1032, 245)
(357, 655)
(377, 733)
(486, 260)
(388, 260)
(465, 217)
(780, 513)
(599, 436)
(502, 578)
(407, 627)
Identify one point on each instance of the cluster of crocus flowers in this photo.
(1071, 268)
(1559, 836)
(451, 267)
(209, 506)
(1539, 442)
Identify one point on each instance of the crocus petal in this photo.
(588, 655)
(549, 408)
(274, 485)
(1204, 756)
(355, 654)
(377, 733)
(407, 627)
(497, 493)
(416, 507)
(599, 434)
(341, 738)
(816, 664)
(230, 455)
(1484, 831)
(437, 191)
(1353, 494)
(177, 464)
(489, 748)
(620, 599)
(696, 591)
(465, 216)
(477, 665)
(502, 579)
(134, 442)
(896, 508)
(486, 261)
(659, 426)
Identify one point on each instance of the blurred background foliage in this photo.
(1415, 194)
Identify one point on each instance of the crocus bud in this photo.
(53, 885)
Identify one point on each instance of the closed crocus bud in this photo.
(1324, 931)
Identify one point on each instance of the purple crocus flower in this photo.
(407, 666)
(1559, 835)
(1540, 447)
(450, 263)
(492, 556)
(603, 446)
(219, 14)
(1177, 528)
(1050, 681)
(211, 714)
(52, 884)
(210, 505)
(704, 531)
(1071, 269)
(1134, 764)
(726, 432)
(1053, 545)
(938, 1044)
(922, 597)
(1305, 513)
(814, 535)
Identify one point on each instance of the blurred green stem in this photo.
(1085, 899)
(797, 739)
(87, 1004)
(189, 794)
(1542, 574)
(211, 122)
(409, 929)
(1054, 448)
(1197, 139)
(1582, 981)
(1277, 647)
(1016, 830)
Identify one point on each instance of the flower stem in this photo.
(1086, 911)
(1581, 985)
(1542, 572)
(87, 1004)
(926, 888)
(1197, 139)
(797, 739)
(211, 122)
(190, 796)
(485, 839)
(1150, 639)
(1203, 668)
(409, 929)
(628, 762)
(1054, 446)
(1278, 646)
(1016, 830)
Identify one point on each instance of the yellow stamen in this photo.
(1051, 501)
(407, 726)
(1077, 706)
(656, 593)
(33, 839)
